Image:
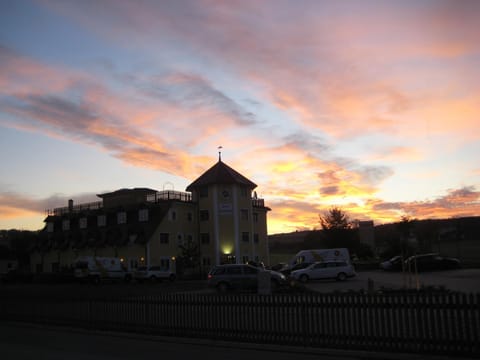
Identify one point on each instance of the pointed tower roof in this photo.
(221, 173)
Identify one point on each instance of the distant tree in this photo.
(337, 229)
(335, 219)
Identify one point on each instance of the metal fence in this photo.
(447, 324)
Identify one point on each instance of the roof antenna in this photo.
(220, 153)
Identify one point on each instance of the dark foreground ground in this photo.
(25, 342)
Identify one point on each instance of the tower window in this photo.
(203, 215)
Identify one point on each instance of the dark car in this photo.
(287, 271)
(392, 264)
(428, 262)
(240, 277)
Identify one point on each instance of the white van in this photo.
(95, 269)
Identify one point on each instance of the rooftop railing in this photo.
(75, 208)
(170, 195)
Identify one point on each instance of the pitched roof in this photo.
(221, 173)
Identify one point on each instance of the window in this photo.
(205, 238)
(50, 227)
(164, 238)
(173, 215)
(101, 220)
(250, 270)
(243, 192)
(189, 216)
(245, 237)
(255, 217)
(234, 270)
(206, 261)
(203, 215)
(203, 192)
(143, 215)
(255, 238)
(165, 263)
(244, 214)
(65, 225)
(121, 217)
(82, 223)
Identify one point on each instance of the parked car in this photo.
(339, 270)
(433, 261)
(393, 264)
(288, 270)
(153, 273)
(240, 277)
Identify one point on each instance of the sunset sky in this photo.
(371, 106)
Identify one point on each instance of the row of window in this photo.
(205, 216)
(143, 216)
(205, 238)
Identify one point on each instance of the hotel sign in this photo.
(225, 209)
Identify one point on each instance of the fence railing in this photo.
(435, 324)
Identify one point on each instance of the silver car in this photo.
(339, 270)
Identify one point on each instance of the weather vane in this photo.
(220, 153)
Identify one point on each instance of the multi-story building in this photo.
(216, 217)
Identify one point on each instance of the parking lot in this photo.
(462, 280)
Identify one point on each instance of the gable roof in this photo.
(221, 173)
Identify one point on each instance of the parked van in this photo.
(96, 269)
(315, 255)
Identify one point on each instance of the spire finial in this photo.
(220, 153)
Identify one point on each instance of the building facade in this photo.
(216, 217)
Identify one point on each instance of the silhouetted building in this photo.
(216, 215)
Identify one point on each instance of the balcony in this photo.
(74, 209)
(170, 195)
